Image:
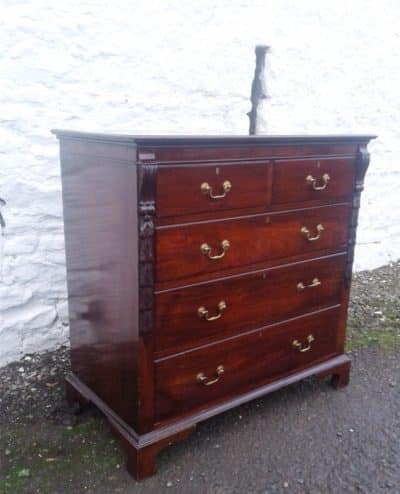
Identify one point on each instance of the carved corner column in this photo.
(146, 216)
(361, 166)
(147, 210)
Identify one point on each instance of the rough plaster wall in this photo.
(177, 67)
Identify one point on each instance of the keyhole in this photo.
(217, 171)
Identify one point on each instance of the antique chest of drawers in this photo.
(204, 272)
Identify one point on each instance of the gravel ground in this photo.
(374, 312)
(303, 439)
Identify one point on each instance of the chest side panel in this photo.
(100, 221)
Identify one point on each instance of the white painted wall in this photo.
(177, 67)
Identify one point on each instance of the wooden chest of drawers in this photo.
(204, 272)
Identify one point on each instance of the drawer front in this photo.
(187, 250)
(320, 180)
(195, 378)
(204, 188)
(190, 316)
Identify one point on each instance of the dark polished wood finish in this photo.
(136, 216)
(249, 360)
(291, 185)
(103, 294)
(252, 300)
(179, 188)
(253, 240)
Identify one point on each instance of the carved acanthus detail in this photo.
(147, 211)
(361, 166)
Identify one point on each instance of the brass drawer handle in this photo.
(314, 181)
(206, 250)
(307, 234)
(202, 312)
(206, 189)
(301, 286)
(299, 346)
(203, 379)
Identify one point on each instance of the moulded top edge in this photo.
(201, 140)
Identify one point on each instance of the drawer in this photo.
(199, 377)
(187, 317)
(320, 180)
(214, 246)
(205, 188)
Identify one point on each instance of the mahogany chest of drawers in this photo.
(204, 272)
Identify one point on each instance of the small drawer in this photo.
(197, 378)
(201, 188)
(314, 180)
(213, 247)
(194, 315)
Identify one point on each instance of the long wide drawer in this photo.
(199, 377)
(214, 246)
(187, 317)
(211, 188)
